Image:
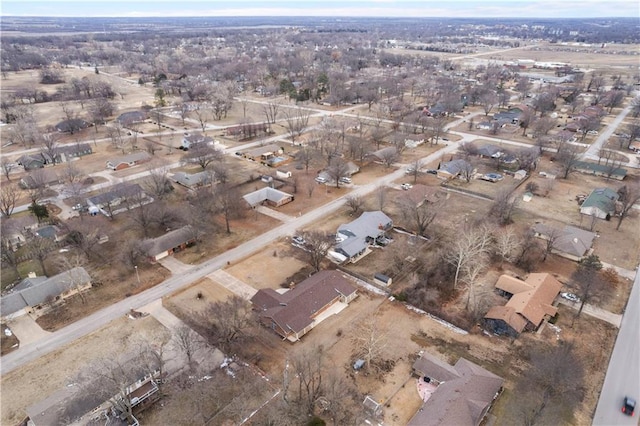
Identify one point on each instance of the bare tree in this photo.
(381, 196)
(389, 156)
(504, 204)
(7, 167)
(270, 110)
(369, 340)
(158, 182)
(354, 203)
(317, 244)
(188, 342)
(629, 195)
(296, 123)
(507, 244)
(588, 282)
(8, 198)
(84, 235)
(225, 322)
(415, 168)
(568, 157)
(49, 148)
(468, 170)
(469, 244)
(202, 113)
(203, 155)
(550, 238)
(229, 203)
(488, 100)
(306, 370)
(418, 212)
(337, 170)
(39, 249)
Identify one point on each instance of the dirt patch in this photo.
(196, 297)
(47, 374)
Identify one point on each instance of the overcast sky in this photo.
(363, 8)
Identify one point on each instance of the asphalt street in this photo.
(623, 374)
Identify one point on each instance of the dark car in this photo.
(628, 406)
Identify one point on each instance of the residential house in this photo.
(484, 125)
(511, 116)
(570, 242)
(297, 311)
(355, 237)
(129, 160)
(191, 140)
(384, 153)
(489, 151)
(269, 196)
(601, 203)
(41, 178)
(169, 243)
(32, 161)
(71, 126)
(126, 119)
(283, 174)
(263, 153)
(193, 180)
(66, 153)
(352, 168)
(116, 196)
(453, 395)
(605, 170)
(530, 303)
(34, 292)
(453, 168)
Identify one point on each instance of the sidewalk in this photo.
(233, 284)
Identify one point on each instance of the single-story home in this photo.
(191, 140)
(68, 152)
(34, 292)
(32, 161)
(297, 311)
(601, 203)
(453, 395)
(484, 125)
(570, 242)
(116, 195)
(269, 196)
(453, 168)
(126, 119)
(71, 126)
(355, 237)
(127, 161)
(40, 178)
(384, 153)
(193, 180)
(169, 243)
(512, 116)
(283, 174)
(604, 170)
(530, 303)
(263, 153)
(489, 151)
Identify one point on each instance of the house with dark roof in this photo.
(601, 203)
(32, 161)
(129, 160)
(116, 196)
(297, 311)
(355, 237)
(71, 126)
(40, 178)
(269, 196)
(35, 292)
(570, 242)
(169, 243)
(126, 119)
(66, 153)
(453, 395)
(530, 303)
(453, 168)
(490, 151)
(610, 171)
(191, 140)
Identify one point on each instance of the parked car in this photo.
(320, 179)
(410, 170)
(383, 241)
(406, 186)
(432, 171)
(570, 296)
(628, 406)
(298, 240)
(345, 179)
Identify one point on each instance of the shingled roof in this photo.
(463, 396)
(168, 241)
(295, 309)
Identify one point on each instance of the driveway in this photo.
(27, 330)
(174, 265)
(594, 311)
(234, 285)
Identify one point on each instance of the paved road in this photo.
(623, 374)
(595, 147)
(93, 322)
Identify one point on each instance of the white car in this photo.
(406, 186)
(320, 179)
(570, 296)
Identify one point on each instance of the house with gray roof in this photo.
(128, 118)
(610, 171)
(457, 395)
(193, 180)
(453, 168)
(268, 196)
(116, 195)
(297, 311)
(169, 243)
(601, 203)
(355, 237)
(191, 140)
(570, 242)
(35, 292)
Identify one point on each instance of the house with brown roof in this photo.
(169, 243)
(127, 161)
(297, 311)
(530, 303)
(455, 395)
